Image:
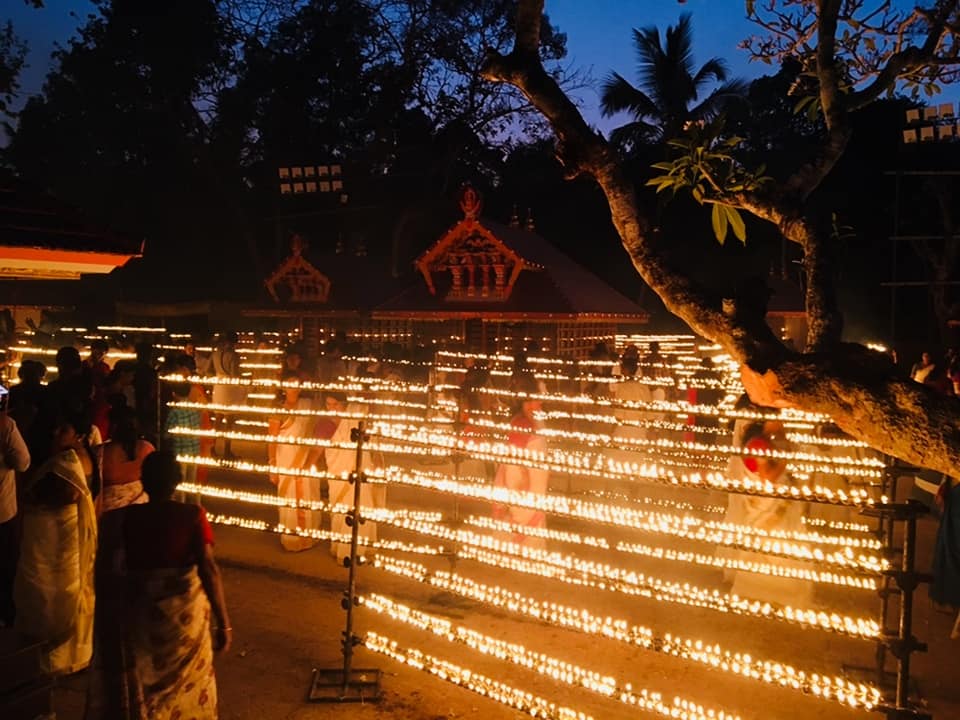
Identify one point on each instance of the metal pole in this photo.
(886, 530)
(906, 612)
(357, 478)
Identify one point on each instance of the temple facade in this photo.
(484, 286)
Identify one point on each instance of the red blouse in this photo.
(165, 535)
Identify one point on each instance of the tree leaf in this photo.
(697, 192)
(718, 218)
(736, 223)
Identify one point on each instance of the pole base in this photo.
(330, 686)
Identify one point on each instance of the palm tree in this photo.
(661, 106)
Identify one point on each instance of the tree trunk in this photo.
(861, 390)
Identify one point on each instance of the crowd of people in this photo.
(105, 565)
(102, 566)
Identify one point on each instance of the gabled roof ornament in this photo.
(470, 202)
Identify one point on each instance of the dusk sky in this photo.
(598, 34)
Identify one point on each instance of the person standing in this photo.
(341, 461)
(158, 588)
(53, 589)
(767, 514)
(27, 403)
(524, 434)
(225, 362)
(14, 458)
(945, 588)
(146, 392)
(122, 458)
(920, 370)
(96, 365)
(296, 488)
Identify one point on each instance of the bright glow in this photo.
(523, 701)
(546, 665)
(621, 630)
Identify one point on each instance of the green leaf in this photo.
(718, 218)
(697, 193)
(736, 223)
(663, 166)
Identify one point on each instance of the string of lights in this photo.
(297, 411)
(793, 544)
(508, 695)
(317, 534)
(629, 582)
(438, 444)
(465, 537)
(775, 540)
(600, 466)
(738, 663)
(541, 663)
(721, 452)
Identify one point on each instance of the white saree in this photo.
(295, 488)
(53, 590)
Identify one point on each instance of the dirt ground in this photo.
(287, 620)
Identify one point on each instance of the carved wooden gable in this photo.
(469, 260)
(297, 280)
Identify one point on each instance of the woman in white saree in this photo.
(53, 590)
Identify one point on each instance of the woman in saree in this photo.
(53, 589)
(157, 587)
(295, 488)
(122, 457)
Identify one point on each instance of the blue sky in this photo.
(598, 35)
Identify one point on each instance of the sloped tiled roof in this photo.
(561, 287)
(32, 219)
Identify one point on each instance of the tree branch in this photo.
(529, 17)
(734, 323)
(864, 394)
(908, 59)
(859, 389)
(824, 319)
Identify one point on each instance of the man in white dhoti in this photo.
(631, 425)
(341, 461)
(298, 489)
(225, 362)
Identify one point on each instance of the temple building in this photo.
(482, 285)
(44, 239)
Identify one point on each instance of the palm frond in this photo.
(680, 44)
(618, 95)
(712, 69)
(719, 99)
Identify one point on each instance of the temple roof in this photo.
(551, 284)
(477, 268)
(43, 238)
